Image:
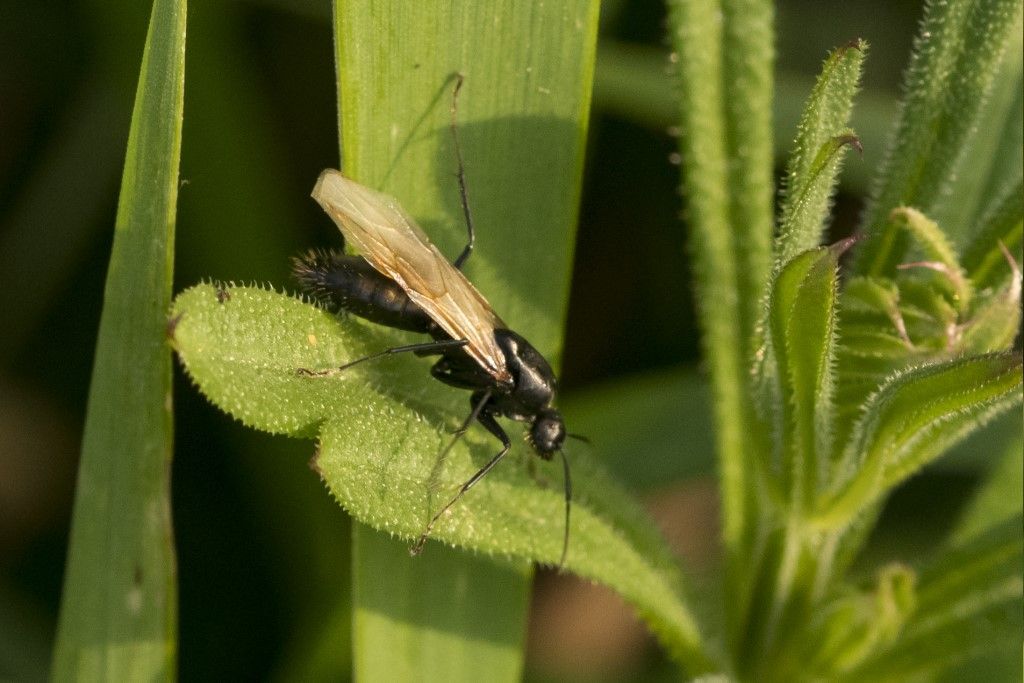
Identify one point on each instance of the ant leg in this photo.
(461, 175)
(488, 421)
(422, 349)
(477, 401)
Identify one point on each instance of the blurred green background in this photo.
(256, 533)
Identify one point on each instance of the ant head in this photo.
(547, 432)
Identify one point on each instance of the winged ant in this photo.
(401, 280)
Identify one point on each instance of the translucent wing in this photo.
(390, 241)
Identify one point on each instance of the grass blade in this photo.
(424, 632)
(119, 608)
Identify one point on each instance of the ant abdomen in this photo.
(348, 283)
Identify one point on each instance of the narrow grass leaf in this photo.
(382, 430)
(815, 162)
(118, 617)
(400, 637)
(956, 57)
(522, 119)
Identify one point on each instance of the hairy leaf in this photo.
(382, 430)
(748, 57)
(956, 56)
(938, 252)
(814, 166)
(984, 260)
(912, 419)
(992, 156)
(722, 53)
(802, 319)
(969, 602)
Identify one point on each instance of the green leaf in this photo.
(985, 262)
(696, 37)
(851, 627)
(930, 313)
(399, 637)
(802, 320)
(815, 163)
(912, 420)
(994, 322)
(991, 158)
(748, 59)
(722, 52)
(118, 616)
(998, 499)
(522, 118)
(730, 299)
(382, 429)
(968, 604)
(956, 57)
(938, 252)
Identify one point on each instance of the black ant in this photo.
(403, 281)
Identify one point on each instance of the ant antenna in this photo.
(568, 509)
(461, 174)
